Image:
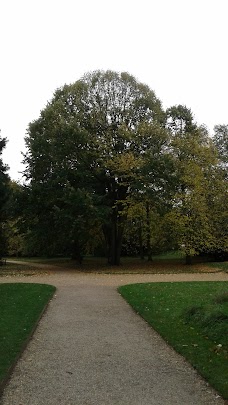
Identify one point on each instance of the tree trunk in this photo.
(114, 231)
(141, 242)
(188, 259)
(116, 241)
(76, 252)
(114, 236)
(149, 253)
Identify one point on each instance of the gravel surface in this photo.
(90, 348)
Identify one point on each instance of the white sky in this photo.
(177, 47)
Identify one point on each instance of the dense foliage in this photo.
(108, 170)
(87, 154)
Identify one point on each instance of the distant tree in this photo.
(14, 213)
(217, 201)
(144, 234)
(4, 194)
(220, 140)
(180, 120)
(194, 219)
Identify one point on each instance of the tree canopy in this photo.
(96, 138)
(107, 167)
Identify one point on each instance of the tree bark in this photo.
(188, 259)
(116, 240)
(149, 253)
(76, 252)
(141, 242)
(114, 235)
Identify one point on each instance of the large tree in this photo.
(93, 139)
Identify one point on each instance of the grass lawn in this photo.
(219, 265)
(193, 318)
(17, 269)
(21, 306)
(167, 263)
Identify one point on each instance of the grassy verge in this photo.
(21, 306)
(17, 269)
(223, 266)
(191, 317)
(40, 259)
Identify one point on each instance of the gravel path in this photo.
(90, 348)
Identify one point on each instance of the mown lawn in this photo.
(17, 269)
(167, 263)
(193, 318)
(21, 306)
(219, 265)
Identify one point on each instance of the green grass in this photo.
(193, 318)
(172, 255)
(168, 263)
(21, 305)
(219, 265)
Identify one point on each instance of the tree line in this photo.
(108, 171)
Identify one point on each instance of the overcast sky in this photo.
(177, 47)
